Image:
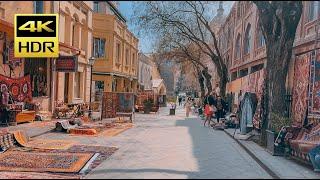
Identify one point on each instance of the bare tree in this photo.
(278, 21)
(188, 20)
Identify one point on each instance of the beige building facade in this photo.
(75, 37)
(115, 49)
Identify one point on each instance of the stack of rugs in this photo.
(6, 142)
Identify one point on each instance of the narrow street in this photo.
(163, 146)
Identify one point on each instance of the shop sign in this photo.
(67, 64)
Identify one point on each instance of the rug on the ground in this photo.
(43, 162)
(104, 152)
(25, 141)
(6, 142)
(35, 175)
(117, 129)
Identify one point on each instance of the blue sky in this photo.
(145, 45)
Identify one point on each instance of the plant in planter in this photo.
(147, 105)
(276, 133)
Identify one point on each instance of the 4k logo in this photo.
(36, 35)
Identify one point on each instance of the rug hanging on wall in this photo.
(20, 88)
(125, 102)
(300, 88)
(314, 88)
(108, 105)
(43, 162)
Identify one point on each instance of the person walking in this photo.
(188, 105)
(221, 108)
(209, 107)
(180, 100)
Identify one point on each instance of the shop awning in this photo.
(7, 27)
(234, 86)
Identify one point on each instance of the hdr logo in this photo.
(36, 35)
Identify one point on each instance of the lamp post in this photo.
(91, 62)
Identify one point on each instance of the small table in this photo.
(25, 116)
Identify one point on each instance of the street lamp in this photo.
(91, 62)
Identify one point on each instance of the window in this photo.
(77, 82)
(237, 49)
(261, 40)
(99, 47)
(96, 6)
(313, 10)
(243, 72)
(37, 7)
(234, 76)
(257, 68)
(127, 57)
(247, 40)
(73, 34)
(133, 60)
(118, 52)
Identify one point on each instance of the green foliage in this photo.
(277, 122)
(148, 103)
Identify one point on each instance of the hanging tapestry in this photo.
(108, 105)
(300, 88)
(257, 118)
(20, 89)
(125, 102)
(314, 88)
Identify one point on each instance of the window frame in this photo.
(36, 6)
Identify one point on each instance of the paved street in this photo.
(163, 146)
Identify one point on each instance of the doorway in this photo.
(66, 87)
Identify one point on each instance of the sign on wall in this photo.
(67, 64)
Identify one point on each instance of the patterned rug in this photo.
(300, 88)
(119, 128)
(43, 162)
(34, 175)
(104, 152)
(314, 87)
(24, 141)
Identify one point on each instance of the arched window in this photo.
(261, 40)
(247, 40)
(237, 48)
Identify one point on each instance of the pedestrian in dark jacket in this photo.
(221, 108)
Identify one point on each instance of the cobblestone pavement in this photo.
(163, 146)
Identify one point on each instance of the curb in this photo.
(262, 165)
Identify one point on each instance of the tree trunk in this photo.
(207, 77)
(275, 90)
(201, 83)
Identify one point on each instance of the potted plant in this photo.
(147, 105)
(275, 129)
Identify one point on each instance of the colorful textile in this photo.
(43, 162)
(108, 105)
(300, 88)
(125, 102)
(117, 102)
(314, 87)
(20, 88)
(6, 142)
